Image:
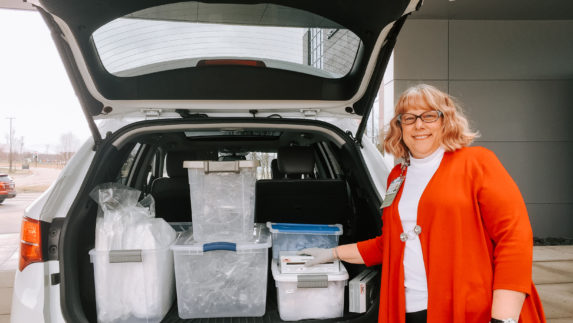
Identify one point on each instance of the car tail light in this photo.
(30, 242)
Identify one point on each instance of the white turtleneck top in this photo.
(418, 176)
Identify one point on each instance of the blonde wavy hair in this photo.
(456, 132)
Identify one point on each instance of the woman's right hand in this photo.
(346, 252)
(320, 255)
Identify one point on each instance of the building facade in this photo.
(510, 67)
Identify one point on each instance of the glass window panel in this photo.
(180, 35)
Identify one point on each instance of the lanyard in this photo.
(394, 187)
(389, 198)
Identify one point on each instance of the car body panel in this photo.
(33, 295)
(29, 294)
(62, 193)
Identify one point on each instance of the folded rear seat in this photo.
(300, 198)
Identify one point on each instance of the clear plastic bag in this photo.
(131, 291)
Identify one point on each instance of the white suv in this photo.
(162, 81)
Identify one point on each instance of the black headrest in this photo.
(295, 160)
(174, 160)
(275, 173)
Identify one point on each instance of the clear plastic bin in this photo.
(312, 296)
(180, 226)
(133, 286)
(222, 199)
(295, 236)
(222, 279)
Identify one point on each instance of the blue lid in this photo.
(306, 228)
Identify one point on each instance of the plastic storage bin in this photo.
(180, 226)
(222, 199)
(294, 236)
(221, 279)
(312, 296)
(133, 286)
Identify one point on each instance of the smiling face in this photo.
(421, 138)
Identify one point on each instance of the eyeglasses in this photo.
(427, 117)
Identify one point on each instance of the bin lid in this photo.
(261, 239)
(339, 276)
(326, 229)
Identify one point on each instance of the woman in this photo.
(456, 243)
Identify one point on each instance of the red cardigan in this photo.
(476, 237)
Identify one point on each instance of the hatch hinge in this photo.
(151, 113)
(358, 142)
(310, 113)
(54, 238)
(97, 144)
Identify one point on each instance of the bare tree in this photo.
(18, 146)
(10, 140)
(3, 149)
(68, 145)
(21, 145)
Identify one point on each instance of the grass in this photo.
(15, 171)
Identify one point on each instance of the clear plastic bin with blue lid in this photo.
(297, 236)
(223, 278)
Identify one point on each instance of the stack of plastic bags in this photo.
(131, 289)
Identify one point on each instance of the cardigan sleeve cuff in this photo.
(370, 251)
(513, 275)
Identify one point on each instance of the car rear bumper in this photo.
(7, 195)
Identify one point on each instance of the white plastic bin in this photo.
(222, 279)
(295, 236)
(312, 296)
(133, 286)
(222, 199)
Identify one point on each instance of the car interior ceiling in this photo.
(317, 183)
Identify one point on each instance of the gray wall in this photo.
(515, 81)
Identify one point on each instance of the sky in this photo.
(34, 87)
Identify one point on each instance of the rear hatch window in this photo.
(188, 34)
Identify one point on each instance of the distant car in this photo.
(7, 187)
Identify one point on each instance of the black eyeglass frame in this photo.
(440, 114)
